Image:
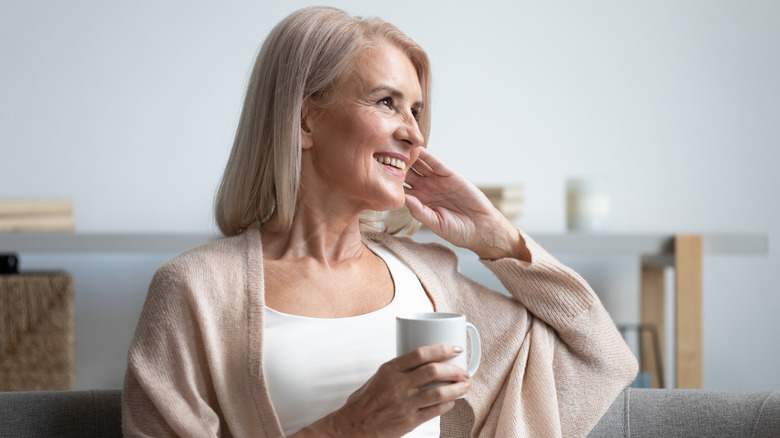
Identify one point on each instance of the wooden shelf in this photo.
(658, 251)
(101, 242)
(608, 243)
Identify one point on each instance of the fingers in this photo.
(432, 175)
(427, 370)
(415, 172)
(427, 165)
(422, 169)
(424, 355)
(443, 393)
(400, 396)
(418, 210)
(430, 162)
(436, 410)
(422, 179)
(433, 380)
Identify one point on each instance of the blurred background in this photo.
(128, 109)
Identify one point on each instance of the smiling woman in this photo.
(310, 51)
(286, 326)
(351, 150)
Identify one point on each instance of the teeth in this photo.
(392, 162)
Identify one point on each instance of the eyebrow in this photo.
(397, 94)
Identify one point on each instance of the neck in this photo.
(325, 227)
(316, 234)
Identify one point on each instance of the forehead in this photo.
(386, 66)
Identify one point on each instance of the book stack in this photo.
(36, 215)
(507, 199)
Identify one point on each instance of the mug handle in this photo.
(476, 349)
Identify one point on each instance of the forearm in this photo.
(590, 358)
(323, 428)
(546, 287)
(506, 242)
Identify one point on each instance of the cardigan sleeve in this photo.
(552, 359)
(590, 361)
(195, 364)
(168, 391)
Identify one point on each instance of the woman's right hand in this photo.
(392, 403)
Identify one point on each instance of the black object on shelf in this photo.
(9, 264)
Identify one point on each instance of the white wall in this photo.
(128, 108)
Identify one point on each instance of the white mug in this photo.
(414, 330)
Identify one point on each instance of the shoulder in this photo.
(223, 255)
(222, 252)
(210, 269)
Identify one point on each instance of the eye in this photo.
(416, 114)
(386, 101)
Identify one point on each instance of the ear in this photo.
(306, 136)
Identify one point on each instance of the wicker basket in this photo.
(36, 332)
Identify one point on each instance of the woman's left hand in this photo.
(455, 209)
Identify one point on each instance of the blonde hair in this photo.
(301, 60)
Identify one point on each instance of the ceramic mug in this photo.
(414, 330)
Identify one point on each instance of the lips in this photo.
(394, 162)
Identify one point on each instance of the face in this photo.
(361, 146)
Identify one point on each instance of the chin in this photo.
(390, 205)
(400, 202)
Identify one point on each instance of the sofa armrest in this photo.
(653, 413)
(691, 413)
(96, 413)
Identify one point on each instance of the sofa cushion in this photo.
(691, 413)
(668, 413)
(65, 414)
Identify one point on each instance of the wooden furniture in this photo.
(657, 252)
(687, 253)
(36, 332)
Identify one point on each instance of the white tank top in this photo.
(312, 365)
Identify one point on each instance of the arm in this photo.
(589, 361)
(167, 388)
(579, 362)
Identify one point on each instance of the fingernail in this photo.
(457, 349)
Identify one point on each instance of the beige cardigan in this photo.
(552, 360)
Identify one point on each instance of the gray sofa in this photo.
(666, 413)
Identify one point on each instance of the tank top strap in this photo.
(409, 292)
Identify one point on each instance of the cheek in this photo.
(413, 155)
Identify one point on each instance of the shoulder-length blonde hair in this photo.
(301, 60)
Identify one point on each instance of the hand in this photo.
(456, 210)
(391, 403)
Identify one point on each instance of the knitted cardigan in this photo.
(552, 359)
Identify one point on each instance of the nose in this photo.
(409, 131)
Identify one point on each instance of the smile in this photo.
(398, 164)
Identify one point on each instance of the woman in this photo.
(285, 327)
